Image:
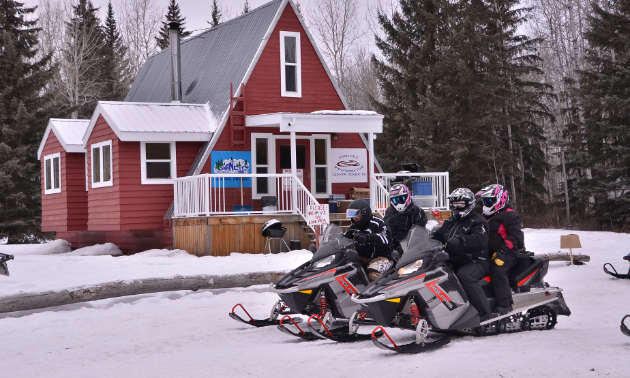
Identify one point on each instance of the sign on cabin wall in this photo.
(232, 163)
(286, 183)
(318, 215)
(349, 165)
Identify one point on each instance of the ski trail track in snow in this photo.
(186, 334)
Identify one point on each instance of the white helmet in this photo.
(400, 197)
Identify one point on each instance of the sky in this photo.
(198, 12)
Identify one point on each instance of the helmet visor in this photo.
(458, 204)
(399, 200)
(488, 202)
(351, 213)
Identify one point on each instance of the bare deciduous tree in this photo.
(337, 29)
(140, 22)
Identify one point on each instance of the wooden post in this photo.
(317, 233)
(241, 191)
(294, 173)
(571, 252)
(371, 172)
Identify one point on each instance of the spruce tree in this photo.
(24, 111)
(116, 68)
(216, 14)
(172, 15)
(246, 7)
(598, 140)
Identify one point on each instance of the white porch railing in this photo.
(436, 200)
(205, 195)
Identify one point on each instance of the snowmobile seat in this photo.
(528, 272)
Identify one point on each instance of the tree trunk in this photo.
(32, 301)
(559, 256)
(566, 188)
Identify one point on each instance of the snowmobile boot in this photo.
(502, 310)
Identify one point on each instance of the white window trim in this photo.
(328, 167)
(51, 157)
(298, 62)
(111, 164)
(143, 165)
(271, 164)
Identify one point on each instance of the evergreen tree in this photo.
(216, 14)
(23, 116)
(172, 15)
(598, 139)
(246, 7)
(116, 68)
(82, 65)
(456, 97)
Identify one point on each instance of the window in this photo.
(321, 166)
(52, 173)
(158, 162)
(102, 164)
(262, 165)
(290, 64)
(263, 161)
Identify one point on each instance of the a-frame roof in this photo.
(210, 62)
(69, 132)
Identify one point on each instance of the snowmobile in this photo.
(321, 289)
(4, 270)
(614, 271)
(423, 294)
(624, 328)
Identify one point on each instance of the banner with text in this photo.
(318, 215)
(349, 165)
(233, 163)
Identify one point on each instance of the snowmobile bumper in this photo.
(614, 272)
(292, 289)
(624, 328)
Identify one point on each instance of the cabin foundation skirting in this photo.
(222, 235)
(129, 241)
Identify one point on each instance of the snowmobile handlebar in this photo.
(292, 289)
(355, 298)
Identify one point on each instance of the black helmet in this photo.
(359, 207)
(461, 202)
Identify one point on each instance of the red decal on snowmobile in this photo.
(406, 281)
(346, 285)
(487, 279)
(318, 275)
(439, 293)
(528, 277)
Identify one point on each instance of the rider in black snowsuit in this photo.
(402, 214)
(466, 236)
(372, 238)
(506, 239)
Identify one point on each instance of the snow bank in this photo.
(96, 250)
(53, 248)
(175, 253)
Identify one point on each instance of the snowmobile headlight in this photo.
(323, 262)
(410, 268)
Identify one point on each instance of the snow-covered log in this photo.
(560, 256)
(32, 301)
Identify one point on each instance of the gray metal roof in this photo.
(210, 62)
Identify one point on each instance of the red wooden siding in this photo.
(65, 211)
(128, 204)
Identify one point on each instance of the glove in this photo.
(452, 245)
(361, 238)
(350, 233)
(499, 258)
(395, 255)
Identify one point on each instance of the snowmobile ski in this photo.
(4, 270)
(342, 335)
(419, 346)
(300, 333)
(624, 328)
(273, 319)
(614, 272)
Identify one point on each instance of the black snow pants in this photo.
(500, 282)
(469, 276)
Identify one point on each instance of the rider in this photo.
(402, 214)
(466, 236)
(506, 238)
(372, 238)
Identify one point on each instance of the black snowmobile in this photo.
(614, 271)
(321, 289)
(4, 270)
(624, 327)
(423, 294)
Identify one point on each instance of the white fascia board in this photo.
(90, 128)
(318, 123)
(42, 144)
(66, 147)
(162, 137)
(264, 120)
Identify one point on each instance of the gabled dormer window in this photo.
(52, 173)
(290, 64)
(102, 164)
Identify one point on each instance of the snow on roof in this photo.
(69, 132)
(346, 112)
(149, 122)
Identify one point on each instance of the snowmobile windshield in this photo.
(416, 245)
(332, 232)
(332, 247)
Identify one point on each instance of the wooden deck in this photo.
(222, 235)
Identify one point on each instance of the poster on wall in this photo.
(232, 163)
(349, 165)
(286, 183)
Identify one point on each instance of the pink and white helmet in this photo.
(399, 197)
(494, 198)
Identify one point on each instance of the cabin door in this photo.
(303, 155)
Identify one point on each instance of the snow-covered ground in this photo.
(188, 334)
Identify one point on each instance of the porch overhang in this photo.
(320, 122)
